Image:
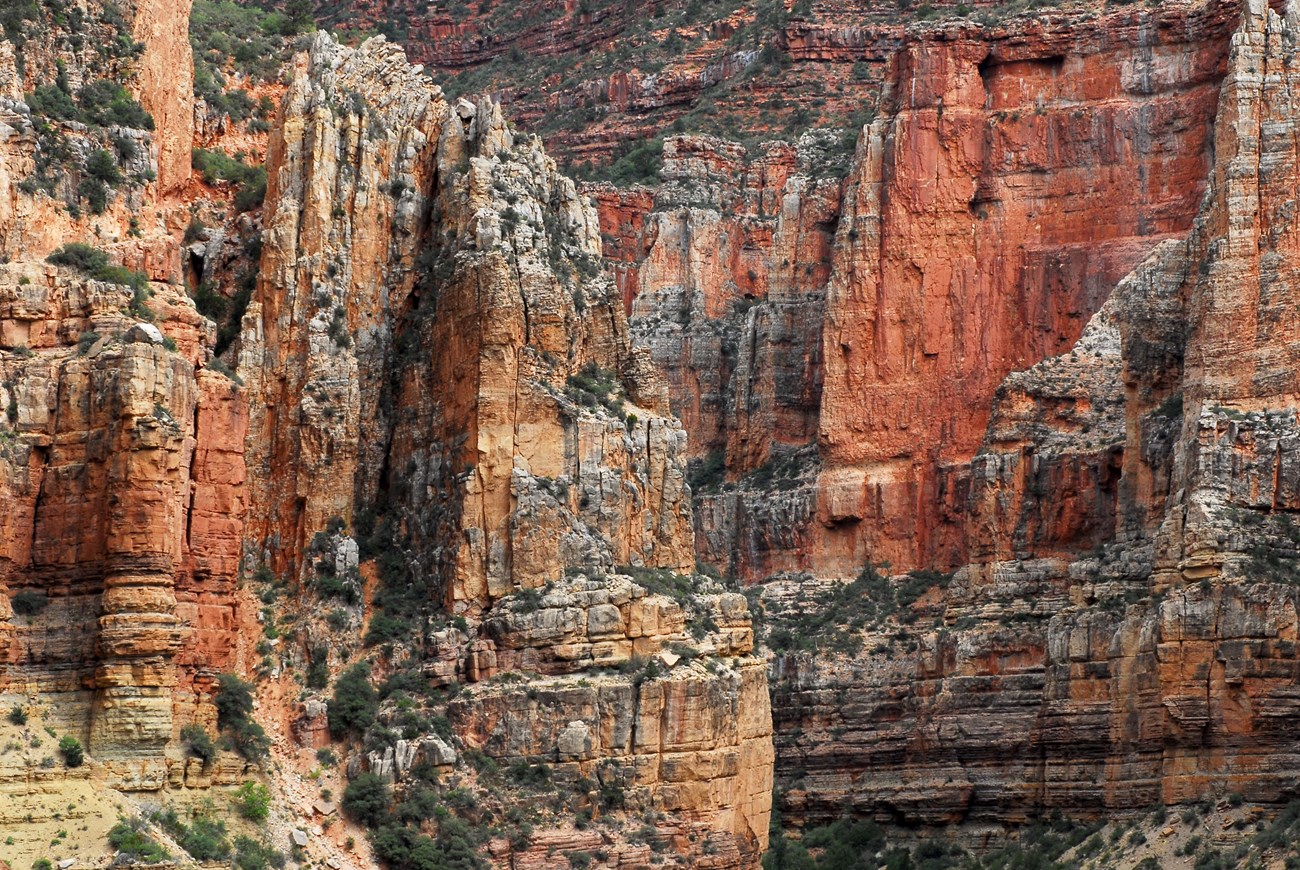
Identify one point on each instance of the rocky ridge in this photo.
(448, 457)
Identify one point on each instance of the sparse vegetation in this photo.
(352, 708)
(29, 602)
(70, 749)
(100, 103)
(198, 743)
(707, 474)
(835, 617)
(129, 838)
(229, 38)
(234, 703)
(253, 801)
(593, 386)
(250, 181)
(94, 263)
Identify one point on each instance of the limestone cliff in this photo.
(995, 392)
(122, 454)
(431, 366)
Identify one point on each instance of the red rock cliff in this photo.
(1014, 174)
(1124, 633)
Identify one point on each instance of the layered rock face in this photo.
(688, 740)
(1125, 632)
(989, 192)
(1033, 342)
(433, 367)
(724, 273)
(122, 461)
(122, 543)
(437, 365)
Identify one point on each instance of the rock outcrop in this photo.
(165, 84)
(1023, 364)
(975, 234)
(438, 368)
(470, 372)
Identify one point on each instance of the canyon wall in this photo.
(122, 453)
(1124, 633)
(1015, 354)
(432, 400)
(473, 328)
(975, 234)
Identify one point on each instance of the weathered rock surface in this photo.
(429, 278)
(1007, 349)
(976, 234)
(433, 356)
(115, 516)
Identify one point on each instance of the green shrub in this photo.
(453, 848)
(76, 255)
(94, 262)
(86, 340)
(250, 741)
(638, 164)
(200, 745)
(29, 602)
(253, 801)
(102, 166)
(367, 799)
(708, 473)
(105, 103)
(234, 703)
(592, 386)
(204, 839)
(355, 702)
(194, 231)
(209, 302)
(127, 837)
(253, 855)
(52, 102)
(95, 193)
(234, 700)
(345, 589)
(70, 749)
(531, 775)
(17, 715)
(217, 166)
